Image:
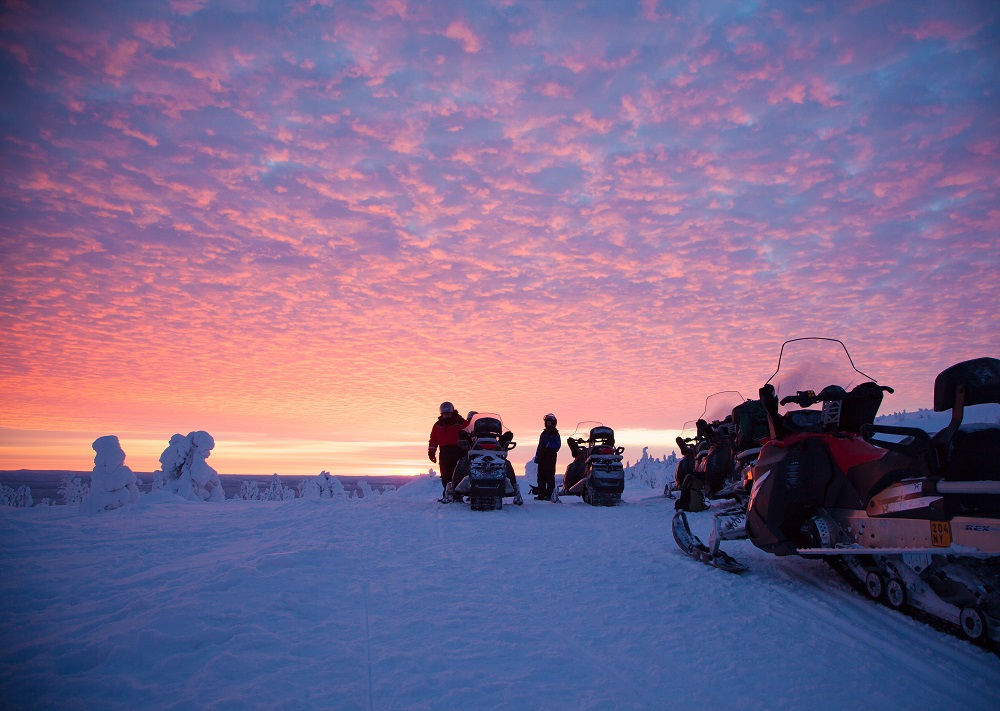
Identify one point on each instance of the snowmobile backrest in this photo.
(980, 379)
(860, 406)
(486, 427)
(971, 382)
(750, 418)
(602, 435)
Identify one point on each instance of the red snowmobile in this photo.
(912, 518)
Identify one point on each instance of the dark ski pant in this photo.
(546, 472)
(448, 458)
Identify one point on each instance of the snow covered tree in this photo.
(324, 486)
(276, 491)
(72, 490)
(112, 484)
(185, 471)
(249, 491)
(651, 471)
(19, 498)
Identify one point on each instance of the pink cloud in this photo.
(589, 122)
(464, 35)
(188, 7)
(795, 93)
(390, 8)
(15, 50)
(149, 140)
(941, 28)
(554, 90)
(649, 10)
(156, 32)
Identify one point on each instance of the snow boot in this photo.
(448, 495)
(518, 501)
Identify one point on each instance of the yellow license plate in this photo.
(941, 534)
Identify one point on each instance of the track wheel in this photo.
(973, 623)
(895, 593)
(874, 585)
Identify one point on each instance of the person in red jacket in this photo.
(444, 434)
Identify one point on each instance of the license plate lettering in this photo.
(940, 534)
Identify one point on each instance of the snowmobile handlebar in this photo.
(831, 393)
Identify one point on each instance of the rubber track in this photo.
(937, 623)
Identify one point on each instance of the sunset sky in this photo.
(302, 225)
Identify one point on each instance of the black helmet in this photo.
(548, 417)
(447, 408)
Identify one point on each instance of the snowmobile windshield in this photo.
(486, 424)
(720, 405)
(583, 429)
(814, 364)
(689, 430)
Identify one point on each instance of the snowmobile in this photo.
(743, 429)
(596, 473)
(717, 468)
(750, 431)
(484, 475)
(687, 443)
(913, 519)
(709, 467)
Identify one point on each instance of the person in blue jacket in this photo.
(545, 458)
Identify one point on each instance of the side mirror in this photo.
(511, 445)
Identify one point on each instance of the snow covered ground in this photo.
(399, 602)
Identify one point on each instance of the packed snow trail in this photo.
(401, 602)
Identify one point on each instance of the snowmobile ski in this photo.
(693, 546)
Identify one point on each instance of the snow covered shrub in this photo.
(323, 486)
(112, 485)
(531, 472)
(18, 499)
(185, 471)
(249, 491)
(158, 481)
(364, 490)
(277, 491)
(72, 490)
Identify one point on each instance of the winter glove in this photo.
(430, 455)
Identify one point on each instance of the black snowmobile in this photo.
(912, 518)
(484, 475)
(687, 444)
(596, 473)
(740, 433)
(708, 465)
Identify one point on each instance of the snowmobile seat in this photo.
(973, 453)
